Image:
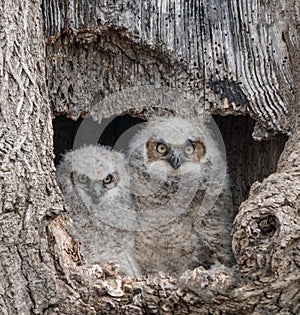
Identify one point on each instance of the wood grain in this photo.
(233, 53)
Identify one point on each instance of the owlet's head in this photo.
(172, 148)
(94, 173)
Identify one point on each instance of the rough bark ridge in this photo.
(27, 187)
(41, 272)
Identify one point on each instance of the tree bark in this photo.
(236, 57)
(29, 194)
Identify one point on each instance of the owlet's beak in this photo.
(97, 191)
(175, 160)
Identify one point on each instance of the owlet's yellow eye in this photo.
(189, 149)
(82, 179)
(161, 148)
(109, 179)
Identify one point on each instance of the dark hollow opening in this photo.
(248, 160)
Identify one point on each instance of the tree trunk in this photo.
(235, 57)
(29, 194)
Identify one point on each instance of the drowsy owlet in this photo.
(95, 184)
(181, 190)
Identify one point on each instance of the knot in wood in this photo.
(268, 225)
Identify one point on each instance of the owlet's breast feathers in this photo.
(181, 190)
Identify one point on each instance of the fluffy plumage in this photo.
(95, 184)
(181, 190)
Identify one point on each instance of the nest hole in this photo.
(248, 161)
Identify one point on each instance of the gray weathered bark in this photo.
(29, 195)
(240, 57)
